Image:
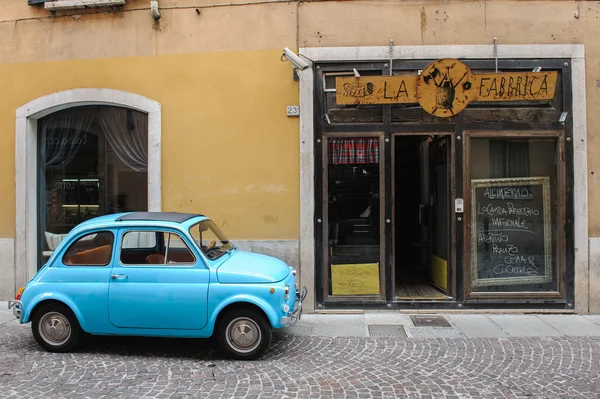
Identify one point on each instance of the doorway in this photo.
(421, 202)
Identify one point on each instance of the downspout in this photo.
(298, 24)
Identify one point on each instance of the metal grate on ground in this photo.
(379, 330)
(430, 321)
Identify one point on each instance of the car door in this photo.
(157, 282)
(80, 272)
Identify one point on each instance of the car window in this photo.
(168, 249)
(210, 239)
(139, 239)
(93, 249)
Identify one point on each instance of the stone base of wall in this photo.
(7, 268)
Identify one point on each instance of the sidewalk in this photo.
(392, 323)
(395, 324)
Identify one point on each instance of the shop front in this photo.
(443, 183)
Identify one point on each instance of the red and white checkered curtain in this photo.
(344, 151)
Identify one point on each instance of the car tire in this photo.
(55, 328)
(243, 334)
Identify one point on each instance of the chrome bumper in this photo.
(295, 314)
(17, 308)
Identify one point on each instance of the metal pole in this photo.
(496, 53)
(391, 54)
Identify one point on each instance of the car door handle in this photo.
(118, 276)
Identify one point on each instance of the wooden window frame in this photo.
(325, 223)
(561, 186)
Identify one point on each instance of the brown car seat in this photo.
(155, 259)
(94, 256)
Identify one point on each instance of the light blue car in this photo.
(160, 274)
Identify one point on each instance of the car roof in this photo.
(183, 220)
(158, 216)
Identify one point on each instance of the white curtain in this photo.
(127, 133)
(62, 136)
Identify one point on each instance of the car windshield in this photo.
(211, 239)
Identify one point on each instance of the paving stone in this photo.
(387, 317)
(593, 318)
(433, 332)
(297, 329)
(524, 326)
(572, 325)
(339, 330)
(477, 326)
(299, 367)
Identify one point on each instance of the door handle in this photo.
(118, 276)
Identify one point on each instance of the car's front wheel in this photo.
(244, 334)
(55, 327)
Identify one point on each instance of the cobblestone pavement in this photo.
(303, 367)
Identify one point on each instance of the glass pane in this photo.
(139, 240)
(140, 247)
(90, 250)
(211, 240)
(353, 216)
(514, 212)
(177, 250)
(92, 161)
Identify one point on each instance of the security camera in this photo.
(298, 62)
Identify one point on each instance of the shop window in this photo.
(353, 226)
(155, 248)
(90, 250)
(514, 215)
(92, 161)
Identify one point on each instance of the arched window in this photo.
(92, 161)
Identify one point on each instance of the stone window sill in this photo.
(75, 4)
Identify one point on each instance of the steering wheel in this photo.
(211, 244)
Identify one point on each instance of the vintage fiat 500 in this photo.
(159, 274)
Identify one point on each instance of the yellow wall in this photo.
(210, 97)
(228, 148)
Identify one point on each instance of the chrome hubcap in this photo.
(243, 335)
(54, 328)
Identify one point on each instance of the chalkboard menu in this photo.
(511, 240)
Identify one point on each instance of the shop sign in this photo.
(446, 87)
(355, 279)
(511, 236)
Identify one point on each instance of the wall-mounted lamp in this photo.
(154, 9)
(356, 74)
(537, 69)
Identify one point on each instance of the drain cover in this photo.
(386, 331)
(430, 321)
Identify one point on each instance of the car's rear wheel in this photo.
(55, 327)
(244, 334)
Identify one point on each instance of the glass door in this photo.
(352, 217)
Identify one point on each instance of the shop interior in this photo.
(421, 205)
